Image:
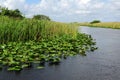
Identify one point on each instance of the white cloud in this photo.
(68, 10)
(83, 1)
(12, 4)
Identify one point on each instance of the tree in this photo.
(95, 21)
(17, 13)
(11, 13)
(41, 17)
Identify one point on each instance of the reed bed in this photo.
(12, 30)
(114, 25)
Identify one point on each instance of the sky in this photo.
(68, 10)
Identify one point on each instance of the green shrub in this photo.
(41, 17)
(95, 21)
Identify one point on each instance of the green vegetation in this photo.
(11, 13)
(19, 55)
(41, 17)
(114, 25)
(95, 21)
(12, 30)
(27, 41)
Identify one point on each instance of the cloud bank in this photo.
(68, 10)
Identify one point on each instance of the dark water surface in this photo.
(103, 64)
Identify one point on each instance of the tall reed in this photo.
(12, 30)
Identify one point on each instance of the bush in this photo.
(95, 21)
(41, 17)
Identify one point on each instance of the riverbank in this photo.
(113, 25)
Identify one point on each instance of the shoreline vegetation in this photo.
(27, 41)
(113, 25)
(39, 40)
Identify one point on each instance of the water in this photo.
(103, 64)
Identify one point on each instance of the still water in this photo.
(103, 64)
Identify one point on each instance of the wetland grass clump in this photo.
(28, 41)
(12, 30)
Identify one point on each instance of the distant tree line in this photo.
(17, 14)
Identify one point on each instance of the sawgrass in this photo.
(114, 25)
(12, 30)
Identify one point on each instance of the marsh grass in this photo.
(29, 29)
(114, 25)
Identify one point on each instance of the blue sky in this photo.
(32, 1)
(68, 10)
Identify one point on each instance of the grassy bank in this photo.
(114, 25)
(28, 41)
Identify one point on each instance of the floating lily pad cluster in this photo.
(19, 55)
